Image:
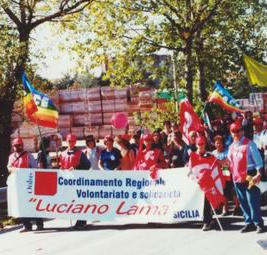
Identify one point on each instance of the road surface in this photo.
(133, 239)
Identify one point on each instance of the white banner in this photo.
(124, 196)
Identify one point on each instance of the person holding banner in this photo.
(245, 165)
(74, 159)
(23, 159)
(110, 158)
(127, 153)
(92, 152)
(148, 158)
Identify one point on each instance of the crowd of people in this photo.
(238, 144)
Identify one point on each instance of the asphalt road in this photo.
(141, 239)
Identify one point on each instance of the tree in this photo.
(207, 37)
(18, 20)
(222, 44)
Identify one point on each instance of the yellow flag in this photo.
(257, 73)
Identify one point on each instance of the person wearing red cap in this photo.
(74, 159)
(201, 165)
(220, 153)
(110, 157)
(148, 158)
(22, 159)
(245, 165)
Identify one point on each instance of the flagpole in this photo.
(216, 217)
(41, 141)
(204, 108)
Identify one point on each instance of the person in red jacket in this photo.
(148, 158)
(246, 165)
(74, 159)
(23, 159)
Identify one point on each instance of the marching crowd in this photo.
(238, 146)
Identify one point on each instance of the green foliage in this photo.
(155, 118)
(18, 20)
(208, 38)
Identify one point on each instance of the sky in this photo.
(55, 62)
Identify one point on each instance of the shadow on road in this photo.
(228, 223)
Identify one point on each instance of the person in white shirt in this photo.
(257, 131)
(92, 152)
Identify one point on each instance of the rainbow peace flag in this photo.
(38, 106)
(222, 97)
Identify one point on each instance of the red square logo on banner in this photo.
(45, 183)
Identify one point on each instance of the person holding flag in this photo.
(207, 172)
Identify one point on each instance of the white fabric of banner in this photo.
(119, 196)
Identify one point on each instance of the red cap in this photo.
(148, 138)
(71, 137)
(201, 140)
(235, 127)
(108, 138)
(125, 137)
(257, 121)
(17, 141)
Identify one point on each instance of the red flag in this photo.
(189, 120)
(209, 177)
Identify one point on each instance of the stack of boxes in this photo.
(30, 134)
(88, 111)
